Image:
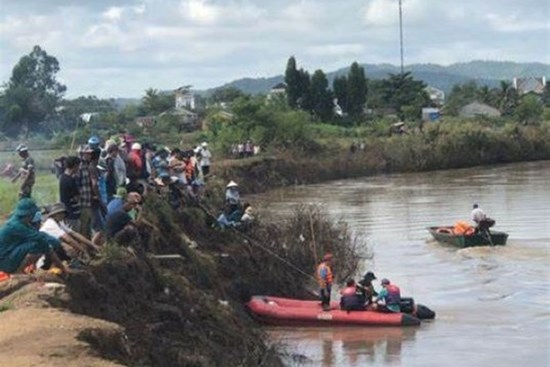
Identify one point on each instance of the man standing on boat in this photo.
(480, 219)
(325, 279)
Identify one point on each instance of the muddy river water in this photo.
(492, 303)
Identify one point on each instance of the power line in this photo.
(401, 36)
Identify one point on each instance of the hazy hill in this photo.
(488, 73)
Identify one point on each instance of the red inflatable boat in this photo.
(294, 312)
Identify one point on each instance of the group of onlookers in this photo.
(101, 189)
(244, 150)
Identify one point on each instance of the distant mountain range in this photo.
(488, 73)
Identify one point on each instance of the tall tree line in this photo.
(352, 93)
(313, 93)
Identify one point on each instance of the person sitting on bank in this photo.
(73, 244)
(21, 244)
(120, 225)
(483, 223)
(232, 195)
(118, 201)
(350, 300)
(366, 289)
(248, 217)
(325, 279)
(389, 298)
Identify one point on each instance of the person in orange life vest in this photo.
(389, 298)
(325, 279)
(350, 300)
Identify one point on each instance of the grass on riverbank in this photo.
(45, 191)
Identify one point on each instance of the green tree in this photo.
(70, 111)
(321, 96)
(340, 88)
(461, 95)
(32, 93)
(293, 83)
(508, 98)
(226, 94)
(305, 101)
(357, 90)
(403, 90)
(546, 95)
(154, 102)
(529, 110)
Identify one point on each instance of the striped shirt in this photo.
(84, 186)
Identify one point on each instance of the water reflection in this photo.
(345, 346)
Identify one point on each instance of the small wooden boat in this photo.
(292, 312)
(490, 238)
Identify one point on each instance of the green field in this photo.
(43, 159)
(45, 191)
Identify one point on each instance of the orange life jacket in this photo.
(394, 295)
(324, 275)
(463, 228)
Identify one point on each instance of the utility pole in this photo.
(401, 36)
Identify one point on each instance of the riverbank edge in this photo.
(262, 174)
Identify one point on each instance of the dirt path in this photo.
(32, 333)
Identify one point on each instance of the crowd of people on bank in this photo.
(244, 150)
(101, 190)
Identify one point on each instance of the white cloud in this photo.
(514, 23)
(114, 13)
(381, 13)
(139, 9)
(208, 42)
(102, 35)
(200, 11)
(337, 49)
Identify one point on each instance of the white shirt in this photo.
(206, 155)
(478, 215)
(53, 228)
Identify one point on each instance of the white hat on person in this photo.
(136, 146)
(232, 184)
(21, 148)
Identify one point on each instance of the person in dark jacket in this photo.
(366, 289)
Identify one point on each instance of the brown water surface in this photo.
(492, 303)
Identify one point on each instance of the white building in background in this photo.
(185, 98)
(277, 90)
(437, 96)
(88, 116)
(530, 85)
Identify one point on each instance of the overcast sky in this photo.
(122, 47)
